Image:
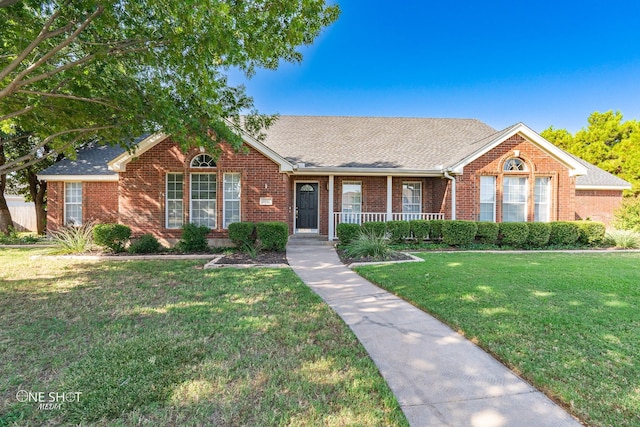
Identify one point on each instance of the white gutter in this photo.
(348, 171)
(453, 192)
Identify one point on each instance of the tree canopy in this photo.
(608, 142)
(78, 70)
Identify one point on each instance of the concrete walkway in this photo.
(439, 377)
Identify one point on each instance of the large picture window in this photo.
(73, 203)
(231, 200)
(351, 201)
(487, 198)
(514, 203)
(175, 203)
(411, 200)
(203, 199)
(542, 195)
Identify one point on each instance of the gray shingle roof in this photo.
(90, 161)
(597, 177)
(384, 142)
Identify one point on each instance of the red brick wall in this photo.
(539, 164)
(55, 205)
(99, 203)
(597, 205)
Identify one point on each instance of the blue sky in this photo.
(538, 62)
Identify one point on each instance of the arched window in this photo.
(203, 161)
(514, 164)
(307, 188)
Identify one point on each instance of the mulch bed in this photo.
(395, 256)
(261, 258)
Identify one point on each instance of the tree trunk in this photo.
(38, 189)
(6, 222)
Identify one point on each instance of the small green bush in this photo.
(194, 238)
(273, 236)
(242, 234)
(112, 236)
(377, 227)
(73, 240)
(627, 217)
(347, 232)
(623, 239)
(564, 233)
(145, 244)
(435, 229)
(538, 234)
(369, 244)
(487, 232)
(513, 233)
(458, 233)
(420, 229)
(398, 230)
(591, 232)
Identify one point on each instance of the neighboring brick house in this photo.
(315, 172)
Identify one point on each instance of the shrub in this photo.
(513, 233)
(591, 232)
(538, 234)
(145, 244)
(627, 217)
(435, 229)
(420, 229)
(273, 236)
(242, 234)
(73, 240)
(487, 232)
(398, 230)
(369, 244)
(457, 233)
(194, 238)
(347, 232)
(112, 236)
(377, 227)
(623, 239)
(564, 233)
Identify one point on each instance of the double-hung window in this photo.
(514, 202)
(411, 200)
(73, 203)
(351, 202)
(203, 199)
(542, 196)
(487, 198)
(231, 200)
(175, 203)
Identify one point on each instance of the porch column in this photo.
(331, 224)
(389, 198)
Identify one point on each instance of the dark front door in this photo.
(306, 205)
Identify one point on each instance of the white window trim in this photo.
(495, 180)
(64, 218)
(167, 200)
(359, 183)
(547, 202)
(419, 204)
(225, 200)
(215, 201)
(526, 197)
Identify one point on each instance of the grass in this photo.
(168, 343)
(568, 323)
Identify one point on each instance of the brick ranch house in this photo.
(315, 172)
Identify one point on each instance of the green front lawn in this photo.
(569, 323)
(168, 343)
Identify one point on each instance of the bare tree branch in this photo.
(16, 113)
(66, 96)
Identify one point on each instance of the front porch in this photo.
(362, 217)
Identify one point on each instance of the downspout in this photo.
(453, 193)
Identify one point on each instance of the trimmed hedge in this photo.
(398, 230)
(435, 228)
(273, 236)
(112, 236)
(194, 238)
(420, 229)
(347, 232)
(538, 234)
(591, 232)
(145, 244)
(242, 234)
(513, 233)
(457, 233)
(564, 233)
(487, 232)
(377, 228)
